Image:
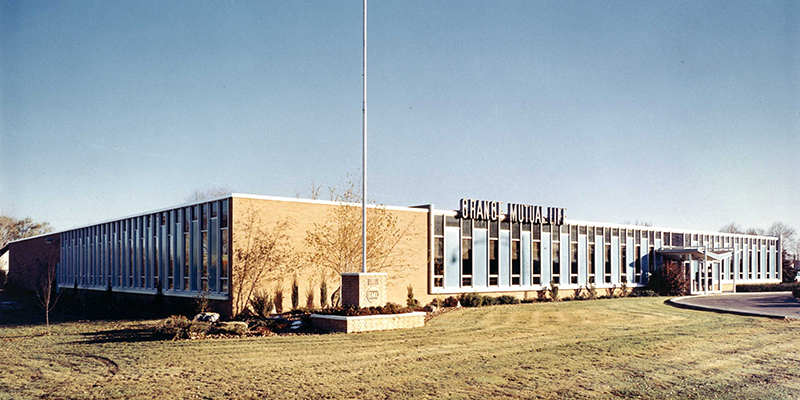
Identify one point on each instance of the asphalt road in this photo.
(773, 305)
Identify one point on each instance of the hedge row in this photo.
(768, 287)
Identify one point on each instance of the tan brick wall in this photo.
(369, 323)
(410, 269)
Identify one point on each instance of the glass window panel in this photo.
(224, 221)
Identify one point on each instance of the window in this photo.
(204, 217)
(186, 255)
(607, 262)
(438, 251)
(515, 256)
(224, 253)
(494, 254)
(224, 220)
(573, 272)
(214, 209)
(171, 230)
(466, 252)
(515, 263)
(591, 262)
(637, 265)
(623, 262)
(741, 266)
(556, 261)
(537, 263)
(155, 245)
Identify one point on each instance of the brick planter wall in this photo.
(366, 323)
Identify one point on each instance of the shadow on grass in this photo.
(124, 335)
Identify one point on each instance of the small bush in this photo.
(323, 292)
(490, 301)
(310, 296)
(295, 293)
(410, 300)
(262, 304)
(278, 297)
(591, 292)
(237, 328)
(180, 327)
(352, 311)
(471, 300)
(507, 299)
(541, 295)
(623, 288)
(768, 287)
(336, 297)
(796, 293)
(450, 302)
(553, 291)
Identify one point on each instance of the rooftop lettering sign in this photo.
(492, 211)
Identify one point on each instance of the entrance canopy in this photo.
(697, 253)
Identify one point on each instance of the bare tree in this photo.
(313, 191)
(15, 229)
(754, 231)
(45, 283)
(261, 254)
(335, 245)
(731, 228)
(786, 233)
(206, 194)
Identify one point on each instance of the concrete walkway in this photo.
(771, 305)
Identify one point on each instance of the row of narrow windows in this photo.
(185, 249)
(642, 243)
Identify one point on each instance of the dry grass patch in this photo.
(634, 347)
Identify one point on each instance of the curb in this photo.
(676, 302)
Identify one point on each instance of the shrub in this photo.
(353, 311)
(471, 300)
(623, 288)
(3, 276)
(323, 292)
(553, 291)
(262, 304)
(507, 299)
(669, 280)
(541, 295)
(410, 300)
(336, 297)
(202, 302)
(238, 328)
(310, 296)
(180, 327)
(768, 287)
(796, 293)
(591, 292)
(295, 293)
(450, 302)
(490, 301)
(278, 297)
(578, 294)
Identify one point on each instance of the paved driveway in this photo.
(773, 305)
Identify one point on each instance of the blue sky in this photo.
(684, 114)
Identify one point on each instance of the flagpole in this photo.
(364, 152)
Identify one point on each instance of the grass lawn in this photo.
(625, 348)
